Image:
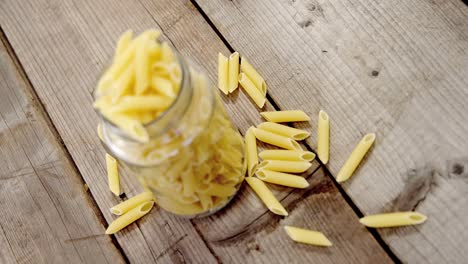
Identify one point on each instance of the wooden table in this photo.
(397, 68)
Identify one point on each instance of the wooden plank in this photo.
(160, 230)
(395, 68)
(47, 216)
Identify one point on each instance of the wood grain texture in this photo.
(47, 216)
(86, 40)
(399, 69)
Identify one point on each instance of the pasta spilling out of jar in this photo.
(162, 119)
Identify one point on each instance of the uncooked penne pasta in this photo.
(131, 127)
(131, 203)
(281, 178)
(266, 196)
(284, 166)
(163, 86)
(323, 137)
(393, 219)
(355, 158)
(142, 73)
(223, 68)
(129, 217)
(113, 174)
(135, 103)
(251, 151)
(307, 236)
(251, 90)
(253, 75)
(276, 140)
(285, 116)
(281, 154)
(290, 132)
(233, 77)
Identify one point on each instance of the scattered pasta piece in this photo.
(292, 155)
(285, 116)
(290, 132)
(223, 68)
(284, 166)
(129, 217)
(307, 236)
(284, 179)
(251, 90)
(393, 219)
(323, 137)
(113, 175)
(355, 158)
(233, 77)
(253, 75)
(276, 140)
(251, 151)
(266, 196)
(131, 203)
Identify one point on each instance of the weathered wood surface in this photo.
(46, 214)
(397, 68)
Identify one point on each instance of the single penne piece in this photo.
(113, 175)
(121, 62)
(276, 140)
(290, 132)
(131, 127)
(285, 116)
(142, 67)
(307, 236)
(281, 154)
(163, 86)
(223, 68)
(281, 178)
(251, 90)
(355, 158)
(136, 103)
(284, 166)
(131, 203)
(266, 196)
(233, 70)
(206, 201)
(251, 151)
(123, 83)
(253, 75)
(393, 219)
(130, 217)
(123, 42)
(323, 137)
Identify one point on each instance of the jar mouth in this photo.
(185, 77)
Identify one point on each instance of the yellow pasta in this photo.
(253, 75)
(123, 83)
(123, 42)
(251, 151)
(307, 236)
(393, 219)
(166, 53)
(113, 174)
(219, 190)
(276, 140)
(129, 217)
(223, 68)
(284, 166)
(323, 137)
(285, 116)
(355, 158)
(266, 196)
(290, 132)
(284, 179)
(99, 132)
(131, 127)
(251, 90)
(142, 73)
(131, 203)
(292, 155)
(135, 103)
(176, 207)
(233, 77)
(163, 86)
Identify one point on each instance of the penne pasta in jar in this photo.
(165, 123)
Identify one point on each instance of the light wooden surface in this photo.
(397, 69)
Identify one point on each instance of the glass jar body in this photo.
(194, 161)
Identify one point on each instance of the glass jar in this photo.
(194, 161)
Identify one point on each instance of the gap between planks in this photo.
(347, 198)
(41, 110)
